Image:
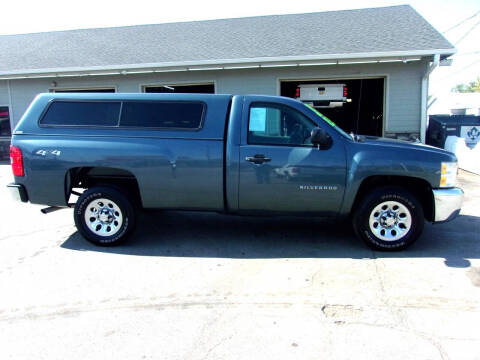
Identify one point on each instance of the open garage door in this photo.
(355, 105)
(208, 88)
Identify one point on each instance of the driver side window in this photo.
(274, 124)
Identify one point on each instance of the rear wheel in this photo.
(104, 216)
(389, 218)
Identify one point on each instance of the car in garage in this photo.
(322, 95)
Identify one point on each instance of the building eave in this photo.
(227, 64)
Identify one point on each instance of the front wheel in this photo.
(389, 218)
(104, 216)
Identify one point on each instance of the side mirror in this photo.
(320, 138)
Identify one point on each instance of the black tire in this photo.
(388, 196)
(118, 202)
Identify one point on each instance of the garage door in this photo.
(207, 88)
(361, 109)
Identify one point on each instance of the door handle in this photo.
(258, 159)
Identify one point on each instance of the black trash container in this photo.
(441, 126)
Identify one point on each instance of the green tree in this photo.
(472, 86)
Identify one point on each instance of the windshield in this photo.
(329, 122)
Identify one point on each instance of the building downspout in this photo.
(423, 114)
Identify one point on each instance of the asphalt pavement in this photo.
(207, 286)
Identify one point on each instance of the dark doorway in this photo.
(190, 89)
(363, 111)
(5, 132)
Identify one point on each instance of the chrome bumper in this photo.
(448, 203)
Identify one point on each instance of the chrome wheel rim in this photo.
(390, 221)
(103, 217)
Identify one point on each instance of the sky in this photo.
(27, 16)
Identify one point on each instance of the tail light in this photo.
(297, 92)
(345, 92)
(16, 161)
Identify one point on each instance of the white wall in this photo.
(3, 93)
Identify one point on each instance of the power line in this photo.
(461, 22)
(462, 69)
(467, 53)
(468, 32)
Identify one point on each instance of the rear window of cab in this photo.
(186, 115)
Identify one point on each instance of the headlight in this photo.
(448, 175)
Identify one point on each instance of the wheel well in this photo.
(87, 177)
(419, 188)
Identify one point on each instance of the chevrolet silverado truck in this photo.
(245, 155)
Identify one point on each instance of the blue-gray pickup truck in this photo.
(244, 155)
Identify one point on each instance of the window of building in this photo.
(163, 114)
(208, 88)
(99, 90)
(82, 113)
(5, 129)
(273, 124)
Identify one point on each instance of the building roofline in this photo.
(202, 20)
(226, 64)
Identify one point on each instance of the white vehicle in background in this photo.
(322, 95)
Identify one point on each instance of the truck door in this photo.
(280, 169)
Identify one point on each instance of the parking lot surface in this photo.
(207, 286)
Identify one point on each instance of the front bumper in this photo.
(18, 192)
(448, 203)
